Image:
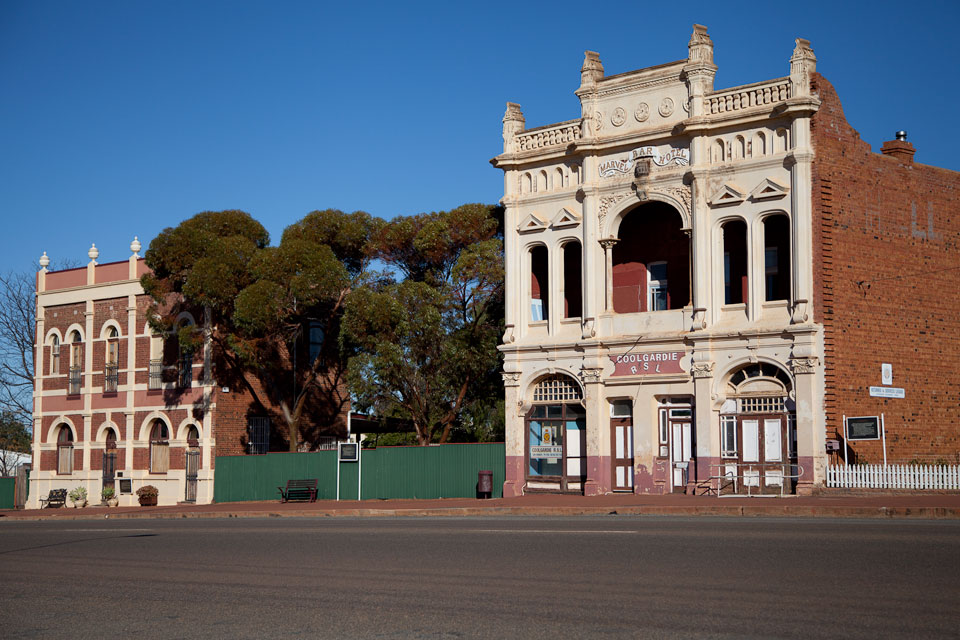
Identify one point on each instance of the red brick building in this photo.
(113, 401)
(887, 256)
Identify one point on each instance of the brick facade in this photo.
(886, 238)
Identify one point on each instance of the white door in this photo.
(681, 451)
(623, 457)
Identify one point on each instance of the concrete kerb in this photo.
(776, 511)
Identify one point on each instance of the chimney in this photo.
(899, 148)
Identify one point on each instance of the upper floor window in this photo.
(54, 355)
(539, 284)
(734, 262)
(657, 286)
(64, 450)
(76, 363)
(572, 291)
(776, 257)
(111, 370)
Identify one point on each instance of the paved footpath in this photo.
(939, 506)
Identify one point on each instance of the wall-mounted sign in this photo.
(886, 373)
(543, 452)
(349, 451)
(863, 428)
(661, 157)
(647, 363)
(887, 392)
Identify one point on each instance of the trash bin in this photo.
(485, 484)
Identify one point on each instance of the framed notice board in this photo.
(863, 428)
(349, 451)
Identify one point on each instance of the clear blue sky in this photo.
(122, 118)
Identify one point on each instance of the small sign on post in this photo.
(863, 428)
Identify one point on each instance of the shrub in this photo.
(147, 491)
(79, 494)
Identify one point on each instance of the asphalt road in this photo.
(613, 576)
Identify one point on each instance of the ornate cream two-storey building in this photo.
(660, 334)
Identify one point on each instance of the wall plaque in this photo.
(863, 428)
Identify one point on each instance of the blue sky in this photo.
(122, 118)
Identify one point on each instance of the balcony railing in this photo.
(74, 381)
(156, 375)
(111, 378)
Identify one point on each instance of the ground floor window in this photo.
(557, 431)
(159, 448)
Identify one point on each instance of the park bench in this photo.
(302, 490)
(56, 498)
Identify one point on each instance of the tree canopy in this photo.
(258, 300)
(426, 334)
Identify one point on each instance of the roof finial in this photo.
(135, 247)
(93, 253)
(44, 261)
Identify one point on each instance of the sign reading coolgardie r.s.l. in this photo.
(647, 363)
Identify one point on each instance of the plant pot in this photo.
(79, 504)
(112, 502)
(148, 501)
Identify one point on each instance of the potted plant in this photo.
(79, 497)
(109, 496)
(147, 495)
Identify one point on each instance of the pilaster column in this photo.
(599, 464)
(608, 244)
(811, 436)
(707, 433)
(515, 473)
(88, 383)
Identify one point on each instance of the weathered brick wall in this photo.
(886, 258)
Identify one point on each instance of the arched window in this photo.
(739, 148)
(526, 183)
(159, 447)
(111, 369)
(542, 181)
(539, 284)
(110, 438)
(783, 141)
(558, 178)
(64, 450)
(735, 282)
(572, 289)
(193, 436)
(76, 363)
(651, 262)
(776, 257)
(54, 355)
(556, 432)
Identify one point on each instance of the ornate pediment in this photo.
(565, 218)
(533, 222)
(729, 193)
(769, 189)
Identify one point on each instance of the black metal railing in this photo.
(110, 378)
(74, 381)
(156, 375)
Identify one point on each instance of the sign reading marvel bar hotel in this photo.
(653, 362)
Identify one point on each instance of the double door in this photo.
(766, 454)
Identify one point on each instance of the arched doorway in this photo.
(758, 430)
(109, 465)
(192, 462)
(64, 450)
(159, 447)
(556, 428)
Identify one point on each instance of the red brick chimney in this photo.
(899, 148)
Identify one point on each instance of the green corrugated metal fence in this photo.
(7, 487)
(445, 471)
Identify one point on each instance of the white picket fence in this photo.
(894, 476)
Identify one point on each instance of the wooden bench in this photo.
(56, 498)
(299, 490)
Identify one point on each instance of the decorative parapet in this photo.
(803, 63)
(747, 97)
(550, 136)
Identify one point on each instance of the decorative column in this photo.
(803, 63)
(515, 476)
(811, 436)
(707, 434)
(608, 244)
(599, 468)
